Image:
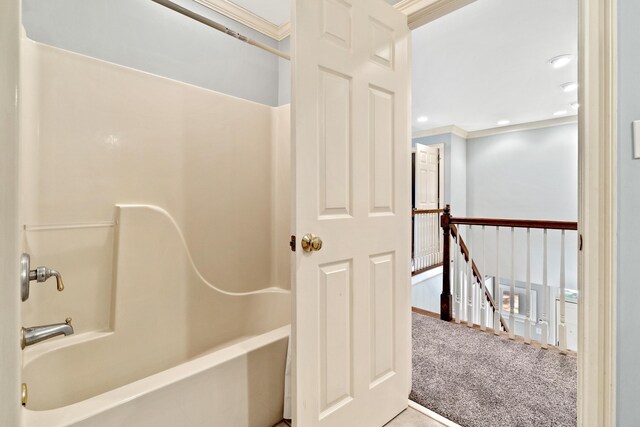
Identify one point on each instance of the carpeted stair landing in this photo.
(477, 379)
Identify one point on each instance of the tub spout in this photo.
(36, 334)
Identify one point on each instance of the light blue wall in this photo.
(459, 172)
(144, 35)
(284, 71)
(628, 335)
(531, 174)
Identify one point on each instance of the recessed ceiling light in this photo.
(575, 105)
(560, 61)
(560, 113)
(569, 87)
(503, 122)
(422, 119)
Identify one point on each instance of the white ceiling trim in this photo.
(524, 126)
(442, 130)
(412, 6)
(453, 129)
(419, 12)
(424, 11)
(248, 18)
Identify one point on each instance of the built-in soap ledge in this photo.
(76, 226)
(32, 353)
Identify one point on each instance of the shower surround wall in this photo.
(147, 194)
(107, 135)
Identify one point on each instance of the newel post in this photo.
(446, 300)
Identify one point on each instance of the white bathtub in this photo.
(180, 352)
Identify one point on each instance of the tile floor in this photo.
(412, 418)
(408, 418)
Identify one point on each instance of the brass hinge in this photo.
(292, 243)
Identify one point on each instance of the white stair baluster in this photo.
(562, 327)
(470, 281)
(456, 279)
(416, 242)
(544, 323)
(434, 241)
(527, 321)
(440, 241)
(428, 238)
(420, 241)
(497, 293)
(512, 289)
(483, 298)
(433, 238)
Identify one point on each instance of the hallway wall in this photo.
(628, 338)
(530, 174)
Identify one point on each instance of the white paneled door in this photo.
(427, 177)
(352, 163)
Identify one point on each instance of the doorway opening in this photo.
(496, 84)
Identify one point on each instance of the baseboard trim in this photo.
(425, 312)
(426, 275)
(434, 416)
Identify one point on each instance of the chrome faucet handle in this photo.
(40, 274)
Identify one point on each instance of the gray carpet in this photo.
(479, 380)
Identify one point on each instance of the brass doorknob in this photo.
(310, 242)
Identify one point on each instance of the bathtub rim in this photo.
(85, 409)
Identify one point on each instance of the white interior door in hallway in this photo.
(350, 107)
(427, 177)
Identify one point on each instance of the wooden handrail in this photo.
(476, 272)
(516, 223)
(449, 229)
(426, 211)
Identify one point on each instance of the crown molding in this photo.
(248, 18)
(441, 131)
(456, 130)
(421, 12)
(524, 126)
(409, 7)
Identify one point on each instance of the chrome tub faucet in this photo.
(36, 334)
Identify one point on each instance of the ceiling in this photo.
(489, 60)
(277, 12)
(486, 62)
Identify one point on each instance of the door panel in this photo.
(350, 103)
(427, 177)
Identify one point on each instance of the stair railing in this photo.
(461, 274)
(427, 240)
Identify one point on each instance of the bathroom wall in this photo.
(282, 196)
(10, 357)
(628, 176)
(284, 73)
(146, 36)
(97, 134)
